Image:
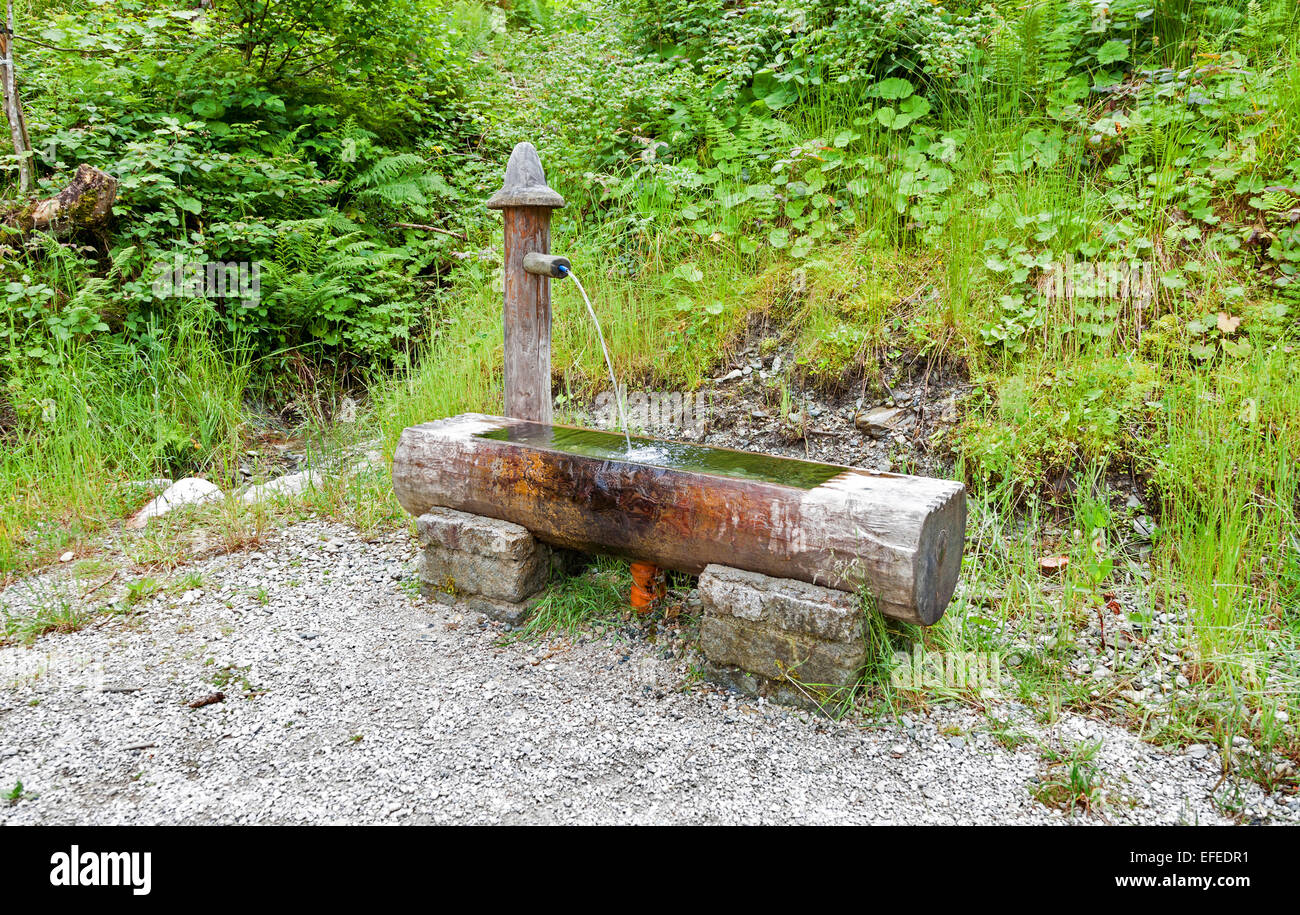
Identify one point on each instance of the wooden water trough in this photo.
(683, 506)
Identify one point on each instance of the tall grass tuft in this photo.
(103, 415)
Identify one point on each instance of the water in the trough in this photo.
(607, 446)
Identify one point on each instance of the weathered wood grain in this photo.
(526, 203)
(527, 316)
(900, 537)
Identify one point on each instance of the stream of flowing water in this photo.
(609, 364)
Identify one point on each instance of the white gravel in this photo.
(373, 706)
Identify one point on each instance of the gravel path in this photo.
(373, 706)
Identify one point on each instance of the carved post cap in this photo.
(525, 184)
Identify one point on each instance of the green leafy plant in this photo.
(1072, 780)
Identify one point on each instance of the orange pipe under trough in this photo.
(648, 586)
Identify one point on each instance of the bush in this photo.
(812, 42)
(281, 137)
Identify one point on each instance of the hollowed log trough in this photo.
(683, 506)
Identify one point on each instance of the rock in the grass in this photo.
(288, 485)
(369, 457)
(1052, 565)
(879, 422)
(482, 557)
(948, 412)
(780, 629)
(189, 491)
(1144, 527)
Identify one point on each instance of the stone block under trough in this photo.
(764, 635)
(495, 565)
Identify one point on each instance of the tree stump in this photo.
(86, 203)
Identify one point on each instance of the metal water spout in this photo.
(552, 265)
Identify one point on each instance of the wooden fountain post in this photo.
(526, 203)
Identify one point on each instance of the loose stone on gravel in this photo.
(288, 485)
(881, 421)
(189, 491)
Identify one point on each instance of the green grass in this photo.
(1072, 780)
(106, 419)
(53, 615)
(108, 415)
(141, 590)
(18, 793)
(1007, 734)
(592, 601)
